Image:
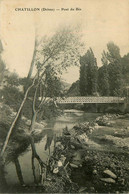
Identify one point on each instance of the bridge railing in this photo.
(91, 99)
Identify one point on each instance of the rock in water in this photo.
(108, 180)
(110, 173)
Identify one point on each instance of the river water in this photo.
(55, 126)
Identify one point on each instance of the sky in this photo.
(101, 21)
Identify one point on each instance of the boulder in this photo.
(108, 180)
(56, 170)
(59, 163)
(83, 138)
(73, 165)
(110, 173)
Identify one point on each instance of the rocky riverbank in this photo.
(89, 165)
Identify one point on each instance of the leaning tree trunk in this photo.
(19, 171)
(16, 118)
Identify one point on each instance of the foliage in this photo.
(88, 74)
(53, 54)
(48, 111)
(53, 87)
(61, 50)
(110, 74)
(11, 79)
(115, 80)
(56, 53)
(83, 79)
(115, 70)
(103, 77)
(125, 69)
(113, 54)
(11, 96)
(103, 81)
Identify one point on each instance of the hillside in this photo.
(65, 85)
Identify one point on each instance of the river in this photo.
(55, 125)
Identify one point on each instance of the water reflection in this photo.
(53, 128)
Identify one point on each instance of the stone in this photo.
(110, 173)
(87, 157)
(108, 180)
(59, 163)
(92, 189)
(96, 126)
(55, 171)
(73, 165)
(73, 147)
(82, 189)
(59, 146)
(94, 172)
(91, 130)
(63, 158)
(83, 138)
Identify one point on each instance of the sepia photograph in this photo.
(64, 96)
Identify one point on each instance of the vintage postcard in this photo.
(64, 96)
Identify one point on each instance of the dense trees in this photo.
(110, 79)
(83, 78)
(53, 86)
(115, 70)
(103, 77)
(88, 74)
(110, 74)
(125, 69)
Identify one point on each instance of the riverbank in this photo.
(88, 156)
(96, 155)
(18, 143)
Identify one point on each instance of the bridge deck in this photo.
(90, 99)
